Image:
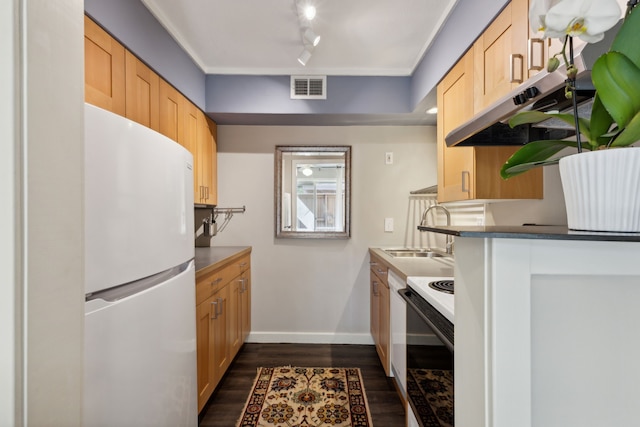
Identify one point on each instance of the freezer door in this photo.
(140, 357)
(138, 201)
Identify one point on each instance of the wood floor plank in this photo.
(225, 405)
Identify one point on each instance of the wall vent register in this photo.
(304, 87)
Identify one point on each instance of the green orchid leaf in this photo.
(626, 41)
(533, 154)
(512, 171)
(630, 134)
(600, 123)
(617, 81)
(528, 117)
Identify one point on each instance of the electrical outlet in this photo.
(388, 225)
(388, 158)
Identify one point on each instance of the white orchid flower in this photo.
(585, 19)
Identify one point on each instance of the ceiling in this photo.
(264, 37)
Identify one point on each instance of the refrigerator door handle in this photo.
(128, 289)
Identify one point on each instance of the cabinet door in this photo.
(205, 322)
(374, 297)
(205, 160)
(220, 331)
(234, 318)
(142, 93)
(190, 142)
(211, 179)
(104, 69)
(500, 55)
(455, 106)
(245, 305)
(171, 111)
(384, 325)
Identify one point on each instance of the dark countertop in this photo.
(550, 232)
(207, 259)
(416, 267)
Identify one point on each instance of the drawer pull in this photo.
(513, 68)
(219, 305)
(531, 63)
(375, 288)
(215, 282)
(243, 264)
(214, 314)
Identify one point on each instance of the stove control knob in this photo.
(532, 92)
(520, 98)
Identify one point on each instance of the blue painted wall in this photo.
(131, 23)
(466, 21)
(271, 94)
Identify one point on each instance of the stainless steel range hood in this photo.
(543, 92)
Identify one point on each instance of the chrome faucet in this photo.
(449, 241)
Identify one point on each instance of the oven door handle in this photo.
(406, 294)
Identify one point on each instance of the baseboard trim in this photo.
(309, 338)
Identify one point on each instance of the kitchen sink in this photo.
(415, 253)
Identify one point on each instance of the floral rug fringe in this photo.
(296, 397)
(431, 391)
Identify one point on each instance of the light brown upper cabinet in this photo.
(104, 69)
(206, 159)
(466, 173)
(455, 106)
(142, 93)
(171, 112)
(500, 55)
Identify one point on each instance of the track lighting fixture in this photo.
(306, 12)
(304, 56)
(310, 12)
(311, 37)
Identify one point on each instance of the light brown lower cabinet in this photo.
(222, 298)
(380, 306)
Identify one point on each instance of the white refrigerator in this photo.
(140, 337)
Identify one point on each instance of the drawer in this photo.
(379, 269)
(210, 283)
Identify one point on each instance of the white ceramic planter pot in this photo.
(602, 190)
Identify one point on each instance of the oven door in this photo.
(429, 363)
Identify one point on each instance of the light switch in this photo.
(388, 158)
(388, 225)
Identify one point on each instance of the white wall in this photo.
(9, 356)
(311, 290)
(41, 219)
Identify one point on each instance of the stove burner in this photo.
(442, 286)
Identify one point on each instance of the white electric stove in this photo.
(441, 301)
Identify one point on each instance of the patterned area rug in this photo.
(431, 391)
(289, 396)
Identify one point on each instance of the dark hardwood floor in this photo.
(226, 403)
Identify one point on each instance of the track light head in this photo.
(311, 37)
(304, 57)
